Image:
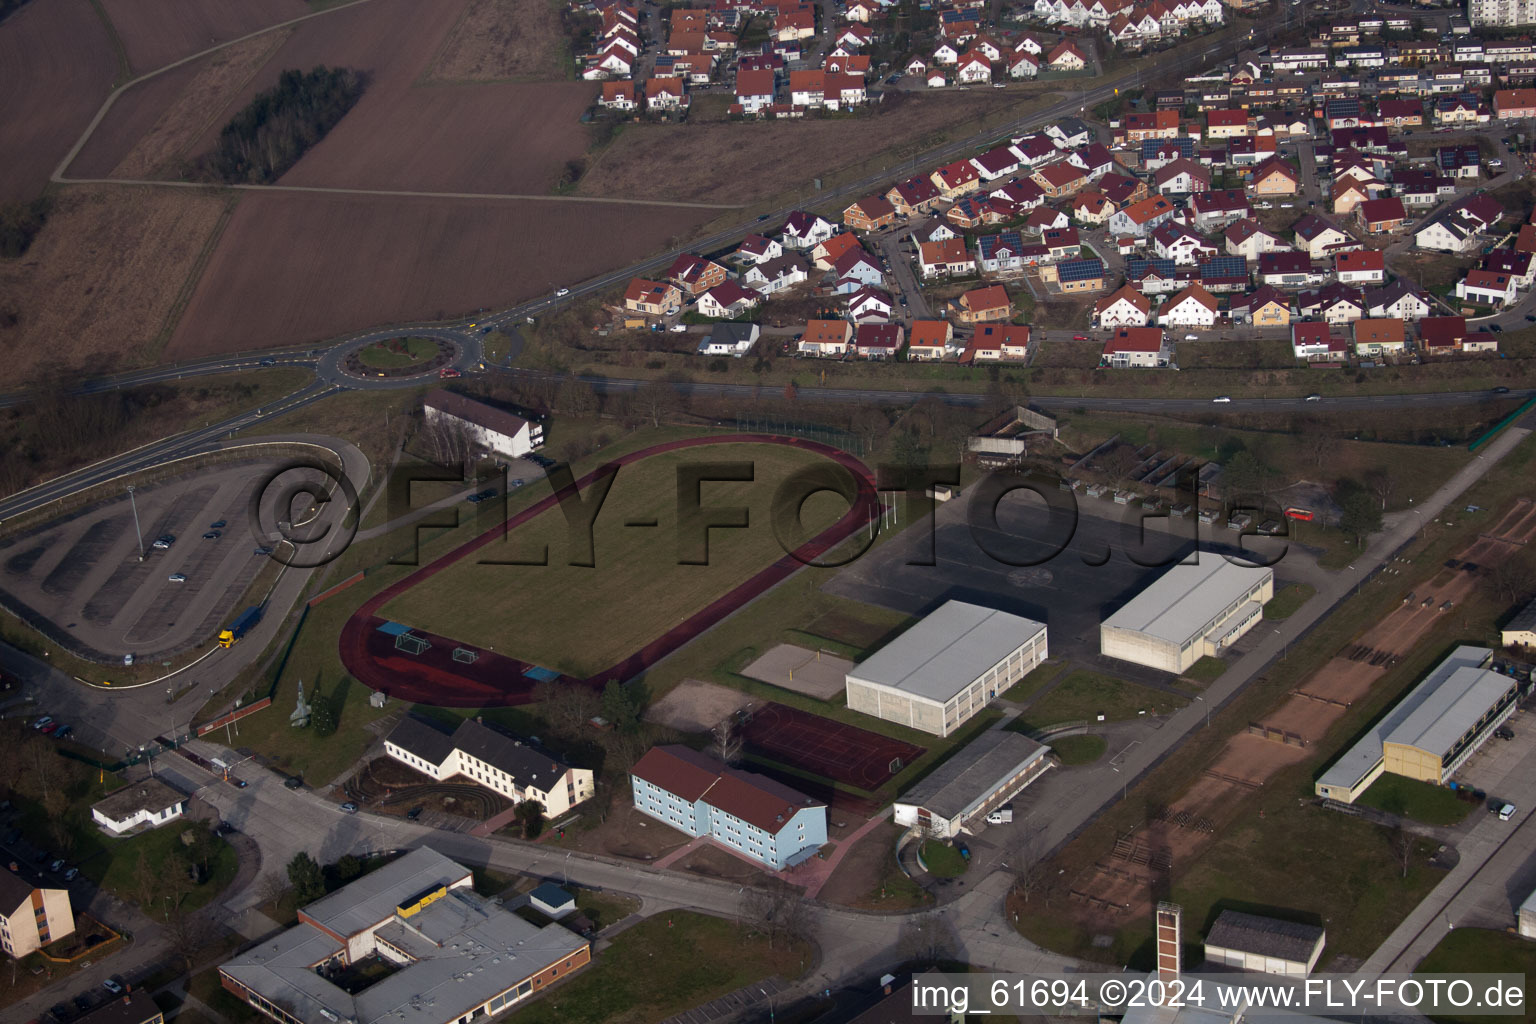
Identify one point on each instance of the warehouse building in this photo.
(1431, 731)
(987, 773)
(1191, 611)
(432, 949)
(943, 670)
(1264, 945)
(1521, 631)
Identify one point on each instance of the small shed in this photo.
(552, 901)
(1264, 944)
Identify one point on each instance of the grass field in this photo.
(1031, 683)
(663, 966)
(1480, 951)
(1286, 602)
(638, 586)
(1079, 750)
(1207, 670)
(1410, 798)
(389, 355)
(943, 860)
(1083, 696)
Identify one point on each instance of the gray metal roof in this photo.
(1180, 604)
(1265, 936)
(1525, 619)
(466, 949)
(961, 785)
(947, 651)
(1356, 762)
(374, 897)
(1456, 705)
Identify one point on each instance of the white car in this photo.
(1507, 811)
(679, 328)
(1314, 398)
(1223, 399)
(1191, 337)
(176, 577)
(562, 293)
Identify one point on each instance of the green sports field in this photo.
(581, 620)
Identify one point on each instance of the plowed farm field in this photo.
(56, 68)
(156, 32)
(295, 267)
(101, 280)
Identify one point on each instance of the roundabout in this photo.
(400, 358)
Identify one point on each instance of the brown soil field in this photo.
(98, 284)
(156, 32)
(745, 161)
(293, 267)
(56, 68)
(507, 138)
(135, 112)
(497, 40)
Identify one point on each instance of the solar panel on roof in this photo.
(1224, 266)
(1140, 266)
(1080, 270)
(1151, 147)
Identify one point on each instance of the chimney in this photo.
(1169, 933)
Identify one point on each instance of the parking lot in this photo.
(83, 574)
(1104, 563)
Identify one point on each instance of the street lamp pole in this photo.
(1284, 646)
(136, 528)
(1207, 704)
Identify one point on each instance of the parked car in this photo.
(217, 524)
(479, 496)
(62, 731)
(1496, 329)
(1223, 399)
(413, 813)
(293, 782)
(114, 985)
(1079, 337)
(41, 722)
(176, 577)
(349, 807)
(56, 866)
(49, 729)
(70, 874)
(263, 550)
(238, 783)
(1507, 811)
(163, 542)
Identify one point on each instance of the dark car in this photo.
(82, 1002)
(212, 535)
(413, 813)
(262, 551)
(349, 807)
(267, 362)
(238, 783)
(1496, 329)
(62, 731)
(60, 1012)
(1501, 390)
(217, 524)
(293, 782)
(224, 828)
(485, 495)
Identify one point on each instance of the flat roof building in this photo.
(1264, 944)
(1527, 917)
(1431, 731)
(445, 953)
(1191, 611)
(987, 772)
(151, 803)
(1521, 630)
(945, 669)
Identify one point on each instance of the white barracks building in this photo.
(510, 767)
(943, 670)
(1188, 612)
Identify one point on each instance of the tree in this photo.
(1512, 579)
(656, 400)
(926, 938)
(1381, 485)
(1361, 516)
(201, 846)
(567, 708)
(307, 878)
(726, 741)
(190, 933)
(531, 814)
(620, 707)
(575, 397)
(348, 868)
(271, 888)
(1402, 842)
(778, 910)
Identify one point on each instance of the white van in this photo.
(1001, 816)
(1507, 811)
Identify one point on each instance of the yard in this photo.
(1086, 696)
(1288, 600)
(943, 860)
(1075, 751)
(1207, 670)
(636, 588)
(1479, 951)
(662, 966)
(1419, 801)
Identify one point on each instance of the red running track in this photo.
(494, 679)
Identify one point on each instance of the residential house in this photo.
(983, 304)
(653, 298)
(1060, 179)
(1066, 56)
(998, 343)
(1333, 303)
(1386, 336)
(1318, 238)
(1175, 241)
(1141, 218)
(1035, 150)
(1442, 335)
(142, 805)
(1248, 239)
(1381, 216)
(1275, 177)
(931, 340)
(1181, 177)
(1315, 342)
(1360, 266)
(1061, 243)
(728, 301)
(665, 94)
(1226, 124)
(1075, 275)
(1159, 124)
(1136, 347)
(777, 274)
(1095, 160)
(1125, 307)
(1045, 218)
(973, 68)
(1400, 299)
(998, 162)
(825, 254)
(695, 275)
(1023, 65)
(755, 90)
(1400, 113)
(1518, 265)
(728, 339)
(1122, 190)
(1487, 288)
(913, 196)
(870, 305)
(1514, 104)
(856, 269)
(877, 341)
(1001, 254)
(948, 258)
(1192, 307)
(618, 96)
(1219, 207)
(956, 179)
(1262, 307)
(826, 338)
(758, 249)
(1347, 194)
(1092, 207)
(804, 230)
(33, 914)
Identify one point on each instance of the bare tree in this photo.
(575, 397)
(1317, 443)
(778, 910)
(1512, 579)
(1028, 868)
(726, 741)
(272, 887)
(1381, 484)
(190, 933)
(1402, 842)
(926, 938)
(568, 708)
(449, 442)
(656, 400)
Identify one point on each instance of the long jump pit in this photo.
(814, 673)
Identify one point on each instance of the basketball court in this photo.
(818, 674)
(832, 750)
